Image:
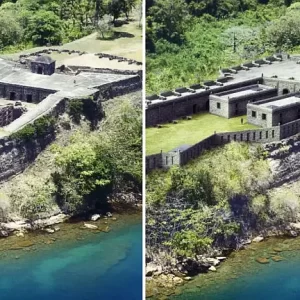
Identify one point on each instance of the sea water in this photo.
(102, 266)
(243, 278)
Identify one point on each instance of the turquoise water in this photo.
(103, 266)
(274, 281)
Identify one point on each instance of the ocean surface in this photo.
(102, 266)
(242, 278)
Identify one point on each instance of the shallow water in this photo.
(102, 266)
(241, 277)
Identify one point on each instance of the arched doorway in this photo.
(285, 91)
(207, 105)
(29, 98)
(12, 96)
(194, 108)
(40, 70)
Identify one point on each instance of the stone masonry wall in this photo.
(153, 161)
(21, 92)
(119, 88)
(262, 135)
(290, 85)
(16, 155)
(168, 110)
(289, 129)
(6, 115)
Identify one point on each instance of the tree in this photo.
(243, 40)
(284, 33)
(128, 6)
(115, 8)
(168, 20)
(44, 27)
(10, 30)
(104, 26)
(83, 174)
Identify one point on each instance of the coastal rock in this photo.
(90, 226)
(95, 217)
(221, 258)
(177, 273)
(277, 258)
(292, 233)
(212, 268)
(49, 230)
(262, 260)
(20, 245)
(109, 215)
(212, 261)
(295, 226)
(18, 225)
(56, 228)
(247, 242)
(188, 278)
(20, 234)
(3, 233)
(40, 223)
(151, 268)
(258, 239)
(177, 280)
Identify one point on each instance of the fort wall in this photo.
(262, 135)
(186, 105)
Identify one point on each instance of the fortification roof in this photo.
(45, 59)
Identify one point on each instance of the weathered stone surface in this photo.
(95, 217)
(221, 258)
(151, 268)
(90, 226)
(212, 261)
(262, 260)
(40, 223)
(258, 239)
(212, 268)
(277, 258)
(3, 233)
(295, 226)
(18, 225)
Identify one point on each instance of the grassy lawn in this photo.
(130, 47)
(190, 132)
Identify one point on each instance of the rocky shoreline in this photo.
(165, 279)
(48, 223)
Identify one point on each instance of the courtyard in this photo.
(189, 132)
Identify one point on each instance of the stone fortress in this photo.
(266, 90)
(34, 87)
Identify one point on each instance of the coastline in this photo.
(220, 268)
(72, 229)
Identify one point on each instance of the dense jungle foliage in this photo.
(25, 23)
(190, 40)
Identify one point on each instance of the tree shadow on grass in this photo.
(119, 23)
(116, 35)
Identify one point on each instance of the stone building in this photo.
(274, 111)
(9, 113)
(43, 65)
(233, 103)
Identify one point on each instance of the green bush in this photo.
(39, 128)
(75, 110)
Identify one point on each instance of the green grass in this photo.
(130, 47)
(190, 131)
